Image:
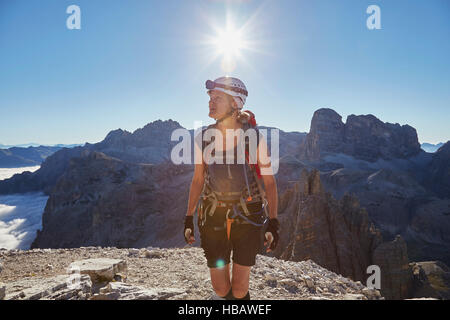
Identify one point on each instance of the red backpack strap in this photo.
(253, 166)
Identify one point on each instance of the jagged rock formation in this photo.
(404, 190)
(438, 178)
(363, 137)
(396, 274)
(153, 273)
(334, 234)
(150, 144)
(338, 235)
(105, 201)
(433, 279)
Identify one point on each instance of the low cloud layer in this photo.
(6, 173)
(20, 214)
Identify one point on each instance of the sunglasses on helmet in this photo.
(211, 85)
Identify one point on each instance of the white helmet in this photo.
(232, 86)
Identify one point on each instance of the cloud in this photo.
(20, 214)
(20, 218)
(6, 173)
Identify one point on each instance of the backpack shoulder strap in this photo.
(257, 136)
(253, 167)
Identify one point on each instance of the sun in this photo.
(229, 43)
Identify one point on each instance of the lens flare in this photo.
(229, 42)
(220, 263)
(232, 42)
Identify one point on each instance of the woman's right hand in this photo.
(189, 229)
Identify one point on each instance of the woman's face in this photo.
(219, 104)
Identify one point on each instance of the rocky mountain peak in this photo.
(158, 126)
(325, 120)
(117, 134)
(309, 183)
(362, 136)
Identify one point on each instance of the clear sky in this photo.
(133, 62)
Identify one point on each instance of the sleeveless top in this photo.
(229, 177)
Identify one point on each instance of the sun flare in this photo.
(232, 43)
(229, 42)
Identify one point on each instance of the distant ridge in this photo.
(17, 157)
(429, 147)
(34, 144)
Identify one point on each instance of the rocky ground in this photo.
(153, 273)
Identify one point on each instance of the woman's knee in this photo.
(239, 289)
(241, 277)
(221, 287)
(220, 280)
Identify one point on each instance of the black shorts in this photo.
(246, 240)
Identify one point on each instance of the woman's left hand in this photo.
(271, 235)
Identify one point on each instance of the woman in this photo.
(232, 211)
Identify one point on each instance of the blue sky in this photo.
(134, 62)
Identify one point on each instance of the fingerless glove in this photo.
(188, 224)
(273, 227)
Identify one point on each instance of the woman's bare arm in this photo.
(196, 188)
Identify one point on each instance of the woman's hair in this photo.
(245, 117)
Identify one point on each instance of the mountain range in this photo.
(27, 155)
(351, 195)
(429, 147)
(30, 154)
(34, 144)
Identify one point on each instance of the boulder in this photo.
(101, 269)
(354, 296)
(61, 287)
(124, 291)
(436, 274)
